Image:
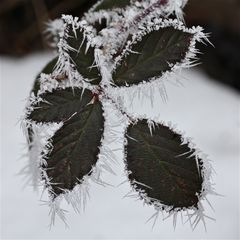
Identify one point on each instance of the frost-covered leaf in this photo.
(75, 149)
(47, 70)
(83, 56)
(36, 86)
(162, 166)
(152, 55)
(60, 105)
(110, 4)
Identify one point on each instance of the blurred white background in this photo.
(206, 111)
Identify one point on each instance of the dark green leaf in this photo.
(164, 164)
(110, 4)
(153, 55)
(75, 148)
(83, 60)
(60, 105)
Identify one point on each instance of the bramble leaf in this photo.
(152, 55)
(163, 166)
(75, 149)
(84, 60)
(60, 105)
(109, 4)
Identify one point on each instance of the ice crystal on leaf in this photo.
(116, 45)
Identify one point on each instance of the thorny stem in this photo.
(147, 11)
(101, 91)
(140, 17)
(124, 28)
(120, 109)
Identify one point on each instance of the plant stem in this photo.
(147, 11)
(140, 17)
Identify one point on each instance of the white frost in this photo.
(139, 19)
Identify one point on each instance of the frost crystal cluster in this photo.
(116, 45)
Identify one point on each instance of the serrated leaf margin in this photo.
(65, 65)
(206, 170)
(78, 196)
(155, 24)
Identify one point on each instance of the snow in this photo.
(206, 111)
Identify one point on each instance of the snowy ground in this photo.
(206, 111)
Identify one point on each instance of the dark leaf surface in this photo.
(60, 105)
(75, 148)
(84, 61)
(110, 4)
(164, 164)
(153, 55)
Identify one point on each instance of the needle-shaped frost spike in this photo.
(162, 168)
(83, 55)
(117, 43)
(46, 70)
(76, 52)
(59, 105)
(75, 148)
(152, 53)
(36, 87)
